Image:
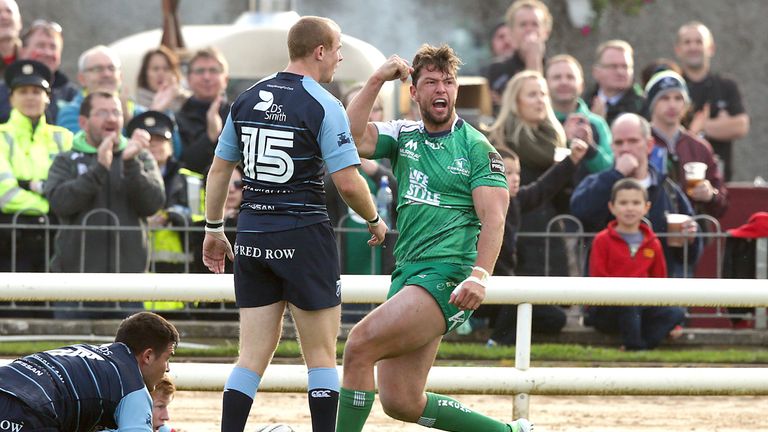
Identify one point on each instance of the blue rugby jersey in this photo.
(82, 387)
(285, 129)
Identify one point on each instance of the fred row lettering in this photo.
(254, 252)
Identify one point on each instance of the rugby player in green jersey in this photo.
(453, 200)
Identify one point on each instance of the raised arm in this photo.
(359, 109)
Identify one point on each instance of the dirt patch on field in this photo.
(201, 412)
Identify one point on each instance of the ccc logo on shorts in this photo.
(338, 288)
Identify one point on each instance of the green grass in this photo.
(465, 353)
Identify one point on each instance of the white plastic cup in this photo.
(675, 223)
(695, 173)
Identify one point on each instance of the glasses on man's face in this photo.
(237, 183)
(99, 69)
(42, 23)
(614, 66)
(203, 71)
(105, 113)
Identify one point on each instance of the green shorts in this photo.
(439, 280)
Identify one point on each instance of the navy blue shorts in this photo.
(15, 415)
(300, 266)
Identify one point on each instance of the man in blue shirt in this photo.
(84, 387)
(286, 130)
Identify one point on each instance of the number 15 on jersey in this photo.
(262, 155)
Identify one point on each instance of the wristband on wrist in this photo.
(214, 223)
(485, 273)
(375, 221)
(214, 226)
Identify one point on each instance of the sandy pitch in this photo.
(201, 411)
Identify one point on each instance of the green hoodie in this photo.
(79, 143)
(603, 160)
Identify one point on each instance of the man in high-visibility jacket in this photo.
(28, 144)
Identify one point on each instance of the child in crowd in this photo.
(162, 396)
(629, 248)
(546, 318)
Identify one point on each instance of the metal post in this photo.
(521, 401)
(761, 272)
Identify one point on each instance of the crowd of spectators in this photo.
(565, 146)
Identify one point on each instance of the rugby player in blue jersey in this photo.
(286, 130)
(89, 387)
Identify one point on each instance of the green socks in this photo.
(441, 413)
(447, 414)
(354, 407)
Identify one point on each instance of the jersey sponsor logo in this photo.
(418, 189)
(7, 425)
(434, 146)
(320, 393)
(409, 151)
(267, 254)
(272, 111)
(496, 162)
(344, 138)
(263, 158)
(460, 166)
(75, 352)
(456, 320)
(29, 367)
(261, 207)
(51, 368)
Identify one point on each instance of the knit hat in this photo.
(664, 82)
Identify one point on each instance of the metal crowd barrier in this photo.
(578, 247)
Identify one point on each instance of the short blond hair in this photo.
(567, 58)
(209, 53)
(308, 33)
(617, 44)
(707, 35)
(532, 4)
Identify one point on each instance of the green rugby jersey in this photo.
(436, 174)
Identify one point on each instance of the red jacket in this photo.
(610, 255)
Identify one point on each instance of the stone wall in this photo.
(400, 26)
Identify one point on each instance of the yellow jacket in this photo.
(26, 154)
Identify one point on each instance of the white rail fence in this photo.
(520, 381)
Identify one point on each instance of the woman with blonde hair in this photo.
(527, 126)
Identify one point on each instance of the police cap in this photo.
(28, 72)
(154, 122)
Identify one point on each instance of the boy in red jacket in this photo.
(629, 248)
